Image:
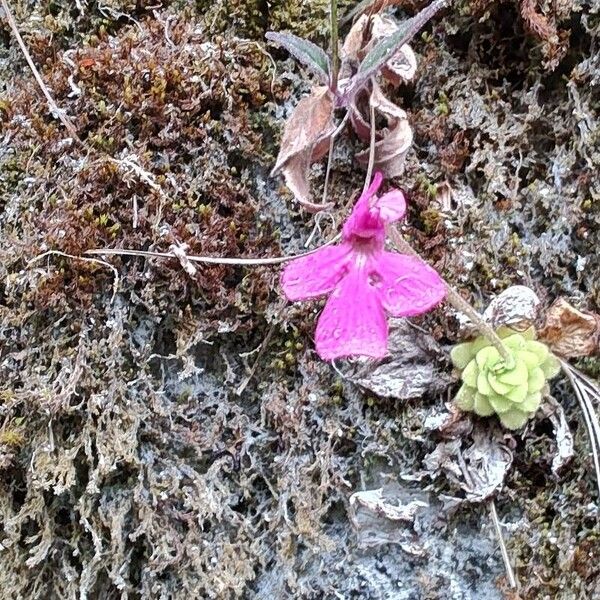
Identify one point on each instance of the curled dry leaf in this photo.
(564, 438)
(480, 470)
(386, 515)
(394, 140)
(305, 140)
(570, 332)
(516, 306)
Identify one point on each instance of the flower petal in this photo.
(392, 206)
(353, 321)
(364, 221)
(315, 274)
(407, 286)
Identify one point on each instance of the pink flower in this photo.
(364, 281)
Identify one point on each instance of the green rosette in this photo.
(513, 389)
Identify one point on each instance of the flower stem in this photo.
(458, 302)
(334, 45)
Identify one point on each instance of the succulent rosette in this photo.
(511, 389)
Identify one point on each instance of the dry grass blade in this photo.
(588, 396)
(512, 580)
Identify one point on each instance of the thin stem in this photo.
(371, 149)
(335, 66)
(334, 135)
(212, 260)
(458, 302)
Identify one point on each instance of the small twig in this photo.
(243, 42)
(317, 226)
(59, 113)
(512, 580)
(328, 170)
(73, 257)
(457, 301)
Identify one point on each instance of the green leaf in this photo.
(514, 419)
(461, 354)
(515, 342)
(487, 357)
(518, 393)
(465, 398)
(499, 403)
(539, 349)
(532, 402)
(505, 331)
(479, 343)
(529, 358)
(483, 387)
(307, 53)
(529, 333)
(469, 375)
(551, 366)
(536, 381)
(482, 407)
(516, 376)
(387, 47)
(498, 386)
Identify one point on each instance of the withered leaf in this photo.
(402, 65)
(387, 515)
(413, 368)
(369, 6)
(305, 139)
(479, 470)
(516, 306)
(570, 332)
(395, 140)
(564, 438)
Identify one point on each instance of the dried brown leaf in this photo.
(402, 66)
(394, 141)
(305, 140)
(564, 438)
(570, 332)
